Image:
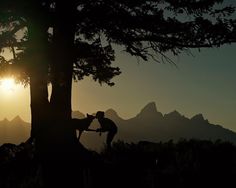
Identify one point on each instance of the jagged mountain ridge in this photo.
(149, 124)
(152, 125)
(14, 131)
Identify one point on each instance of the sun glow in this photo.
(8, 85)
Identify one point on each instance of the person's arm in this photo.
(100, 130)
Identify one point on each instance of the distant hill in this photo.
(148, 125)
(14, 131)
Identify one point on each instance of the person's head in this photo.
(100, 115)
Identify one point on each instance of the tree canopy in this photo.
(146, 29)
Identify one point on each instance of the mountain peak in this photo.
(77, 114)
(198, 117)
(173, 115)
(150, 110)
(150, 107)
(5, 120)
(111, 112)
(17, 119)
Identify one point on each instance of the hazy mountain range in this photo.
(149, 125)
(14, 131)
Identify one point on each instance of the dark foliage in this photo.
(192, 163)
(145, 29)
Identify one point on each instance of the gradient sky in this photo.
(203, 83)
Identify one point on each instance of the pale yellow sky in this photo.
(15, 102)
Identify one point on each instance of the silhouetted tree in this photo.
(53, 41)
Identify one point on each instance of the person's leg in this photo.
(80, 133)
(110, 136)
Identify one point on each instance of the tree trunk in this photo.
(56, 141)
(38, 71)
(61, 68)
(65, 168)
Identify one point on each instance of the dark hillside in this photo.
(192, 163)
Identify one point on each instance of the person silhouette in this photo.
(107, 125)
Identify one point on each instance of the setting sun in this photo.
(8, 84)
